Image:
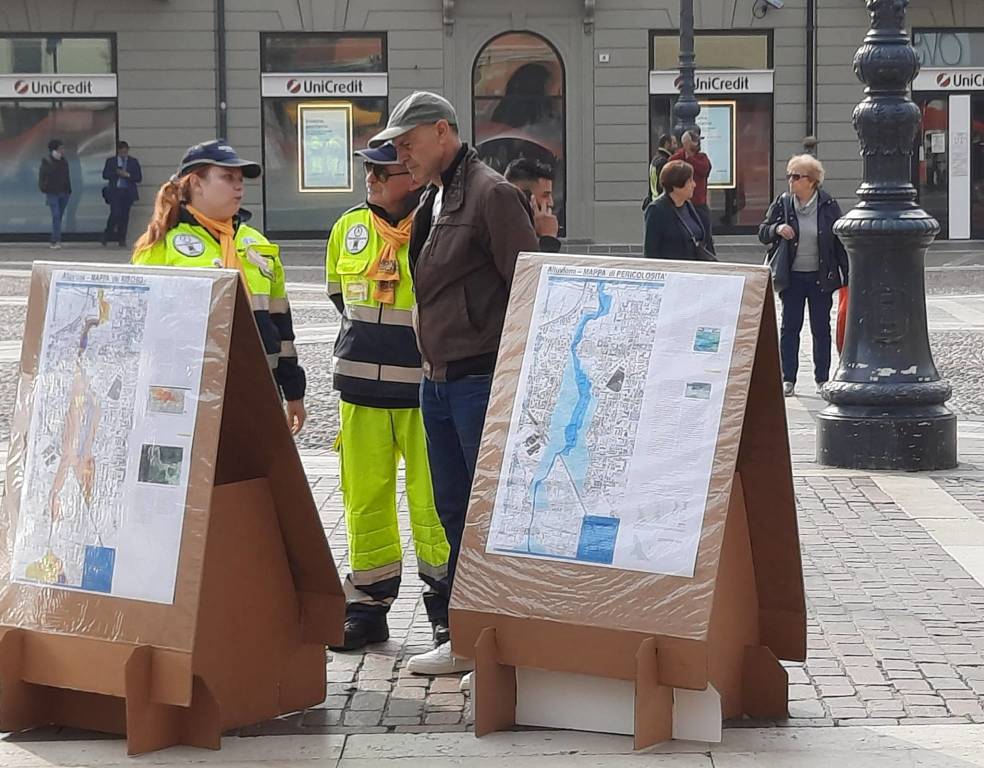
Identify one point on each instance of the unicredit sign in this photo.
(949, 80)
(307, 85)
(57, 86)
(721, 83)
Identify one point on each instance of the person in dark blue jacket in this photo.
(804, 216)
(122, 174)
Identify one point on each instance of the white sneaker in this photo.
(788, 388)
(55, 246)
(440, 661)
(466, 683)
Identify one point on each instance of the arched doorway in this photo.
(519, 106)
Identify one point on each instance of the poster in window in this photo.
(324, 147)
(717, 128)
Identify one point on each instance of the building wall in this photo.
(166, 65)
(842, 25)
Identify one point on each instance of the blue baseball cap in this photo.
(385, 154)
(217, 152)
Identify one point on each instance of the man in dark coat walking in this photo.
(54, 181)
(123, 174)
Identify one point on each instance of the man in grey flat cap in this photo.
(470, 227)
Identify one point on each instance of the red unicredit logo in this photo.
(943, 80)
(293, 86)
(21, 87)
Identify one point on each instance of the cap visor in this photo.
(388, 134)
(250, 170)
(377, 156)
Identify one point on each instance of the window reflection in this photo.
(288, 210)
(88, 129)
(518, 88)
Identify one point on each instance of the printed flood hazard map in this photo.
(615, 421)
(91, 515)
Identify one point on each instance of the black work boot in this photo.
(441, 631)
(362, 630)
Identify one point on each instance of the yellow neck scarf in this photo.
(385, 270)
(225, 233)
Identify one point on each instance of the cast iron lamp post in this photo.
(687, 108)
(886, 401)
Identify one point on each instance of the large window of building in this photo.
(734, 68)
(324, 95)
(519, 109)
(30, 118)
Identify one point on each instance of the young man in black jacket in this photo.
(54, 180)
(536, 180)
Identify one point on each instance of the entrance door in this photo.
(932, 171)
(977, 166)
(507, 69)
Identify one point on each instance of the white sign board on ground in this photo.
(109, 449)
(616, 416)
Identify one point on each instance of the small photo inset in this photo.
(698, 390)
(166, 400)
(707, 339)
(160, 464)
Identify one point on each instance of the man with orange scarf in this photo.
(377, 372)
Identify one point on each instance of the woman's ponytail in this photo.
(167, 206)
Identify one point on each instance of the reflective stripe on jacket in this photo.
(376, 352)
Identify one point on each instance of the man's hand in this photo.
(544, 221)
(295, 415)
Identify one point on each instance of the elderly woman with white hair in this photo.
(804, 217)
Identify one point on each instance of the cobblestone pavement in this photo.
(896, 629)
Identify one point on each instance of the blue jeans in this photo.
(804, 289)
(57, 204)
(454, 415)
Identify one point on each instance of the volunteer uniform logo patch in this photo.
(188, 245)
(357, 238)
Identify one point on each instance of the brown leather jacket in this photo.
(463, 266)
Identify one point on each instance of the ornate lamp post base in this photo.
(876, 438)
(887, 400)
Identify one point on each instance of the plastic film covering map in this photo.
(610, 445)
(111, 460)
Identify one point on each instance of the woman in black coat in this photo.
(673, 226)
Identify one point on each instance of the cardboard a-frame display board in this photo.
(584, 637)
(167, 640)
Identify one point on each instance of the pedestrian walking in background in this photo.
(690, 152)
(804, 217)
(54, 180)
(467, 232)
(122, 174)
(197, 222)
(664, 151)
(536, 180)
(673, 227)
(377, 374)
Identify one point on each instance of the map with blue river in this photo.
(567, 487)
